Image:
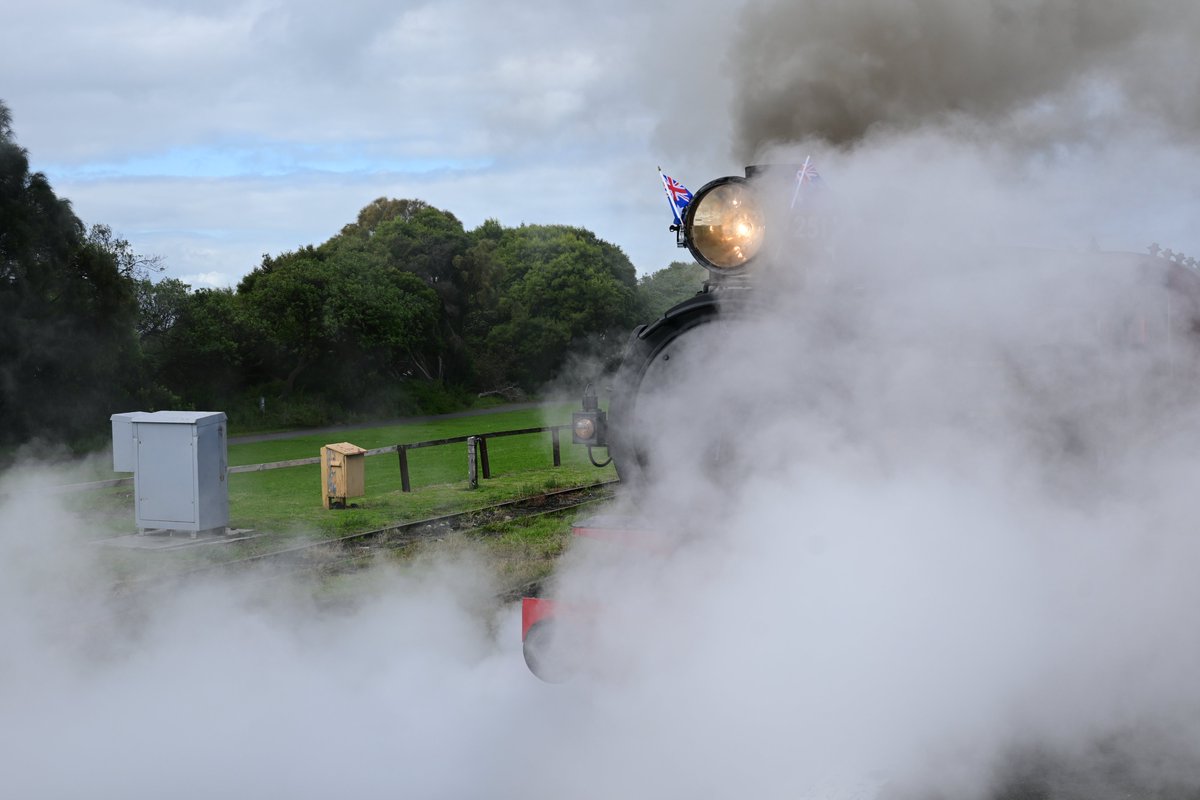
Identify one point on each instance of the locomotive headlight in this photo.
(724, 225)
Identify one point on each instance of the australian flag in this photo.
(677, 196)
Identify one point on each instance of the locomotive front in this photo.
(725, 228)
(1077, 357)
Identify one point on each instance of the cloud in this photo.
(265, 159)
(210, 280)
(139, 97)
(225, 225)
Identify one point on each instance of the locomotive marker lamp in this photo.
(724, 225)
(588, 426)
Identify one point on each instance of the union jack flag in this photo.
(677, 195)
(806, 174)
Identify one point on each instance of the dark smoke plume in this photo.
(1026, 72)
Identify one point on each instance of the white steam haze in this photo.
(953, 549)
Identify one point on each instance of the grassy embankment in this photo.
(288, 499)
(286, 503)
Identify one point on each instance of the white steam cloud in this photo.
(949, 547)
(949, 550)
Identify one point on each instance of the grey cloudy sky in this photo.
(212, 132)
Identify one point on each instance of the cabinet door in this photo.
(166, 473)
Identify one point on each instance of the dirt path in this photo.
(475, 412)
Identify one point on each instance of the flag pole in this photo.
(800, 180)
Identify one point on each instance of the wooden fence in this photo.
(477, 458)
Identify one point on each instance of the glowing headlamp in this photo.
(723, 226)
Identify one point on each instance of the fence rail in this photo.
(400, 449)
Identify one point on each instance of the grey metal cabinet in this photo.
(124, 448)
(180, 480)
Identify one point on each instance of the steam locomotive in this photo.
(725, 228)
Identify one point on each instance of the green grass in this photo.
(308, 445)
(517, 553)
(289, 501)
(524, 549)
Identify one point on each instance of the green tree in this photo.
(201, 355)
(424, 244)
(414, 237)
(379, 211)
(285, 301)
(130, 264)
(69, 355)
(336, 318)
(673, 284)
(561, 289)
(386, 320)
(160, 306)
(479, 274)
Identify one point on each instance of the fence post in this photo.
(484, 465)
(402, 452)
(554, 442)
(472, 474)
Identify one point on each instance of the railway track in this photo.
(350, 551)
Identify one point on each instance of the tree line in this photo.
(403, 311)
